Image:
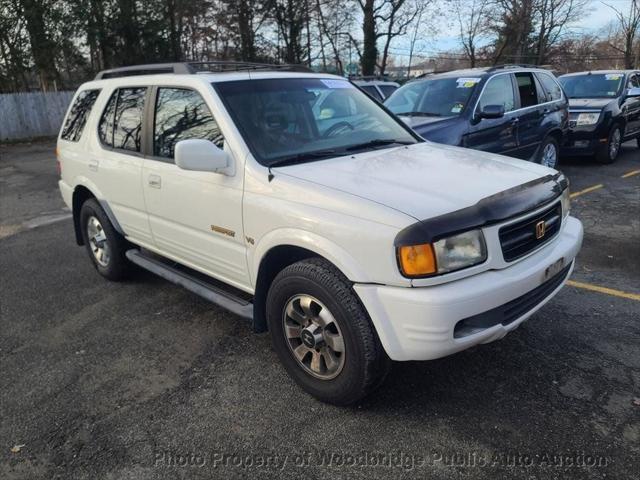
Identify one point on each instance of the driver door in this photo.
(495, 135)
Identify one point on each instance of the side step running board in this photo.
(227, 300)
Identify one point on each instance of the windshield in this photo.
(606, 85)
(442, 97)
(302, 119)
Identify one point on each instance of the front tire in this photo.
(549, 153)
(608, 153)
(106, 247)
(322, 333)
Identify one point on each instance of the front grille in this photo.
(510, 311)
(522, 237)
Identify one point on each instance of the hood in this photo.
(420, 121)
(429, 123)
(589, 103)
(422, 180)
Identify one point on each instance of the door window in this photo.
(105, 127)
(387, 90)
(527, 89)
(128, 119)
(372, 91)
(498, 91)
(77, 118)
(551, 87)
(182, 114)
(634, 81)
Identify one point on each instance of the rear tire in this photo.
(105, 246)
(322, 333)
(608, 153)
(549, 153)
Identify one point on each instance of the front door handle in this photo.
(155, 181)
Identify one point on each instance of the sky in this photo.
(599, 16)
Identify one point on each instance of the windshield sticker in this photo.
(612, 76)
(611, 94)
(336, 84)
(466, 82)
(457, 107)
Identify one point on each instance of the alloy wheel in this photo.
(314, 337)
(614, 143)
(98, 241)
(549, 155)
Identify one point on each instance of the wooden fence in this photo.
(33, 114)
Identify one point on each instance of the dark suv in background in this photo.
(604, 112)
(514, 110)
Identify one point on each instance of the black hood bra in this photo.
(490, 210)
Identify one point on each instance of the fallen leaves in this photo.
(17, 448)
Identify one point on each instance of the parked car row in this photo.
(525, 112)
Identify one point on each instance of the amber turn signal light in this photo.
(417, 260)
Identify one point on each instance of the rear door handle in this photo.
(155, 181)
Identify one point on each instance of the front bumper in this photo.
(418, 323)
(585, 140)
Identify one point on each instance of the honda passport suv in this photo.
(340, 231)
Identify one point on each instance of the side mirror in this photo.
(202, 156)
(633, 92)
(491, 111)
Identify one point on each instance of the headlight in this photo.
(446, 255)
(566, 202)
(587, 118)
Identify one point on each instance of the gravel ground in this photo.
(143, 380)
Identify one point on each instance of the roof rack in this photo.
(513, 65)
(216, 66)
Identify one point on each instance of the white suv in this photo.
(293, 199)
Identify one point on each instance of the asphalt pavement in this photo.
(144, 380)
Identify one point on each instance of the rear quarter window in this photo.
(78, 115)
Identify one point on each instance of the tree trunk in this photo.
(42, 47)
(369, 49)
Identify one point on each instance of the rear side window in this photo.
(372, 91)
(121, 122)
(181, 115)
(387, 90)
(551, 87)
(128, 120)
(78, 115)
(527, 90)
(105, 127)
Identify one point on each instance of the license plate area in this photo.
(553, 269)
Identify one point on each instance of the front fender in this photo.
(309, 241)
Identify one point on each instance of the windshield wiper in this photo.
(377, 142)
(420, 114)
(301, 158)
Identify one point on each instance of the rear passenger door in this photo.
(530, 114)
(496, 135)
(195, 217)
(115, 160)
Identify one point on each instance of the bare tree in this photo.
(473, 22)
(553, 16)
(629, 28)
